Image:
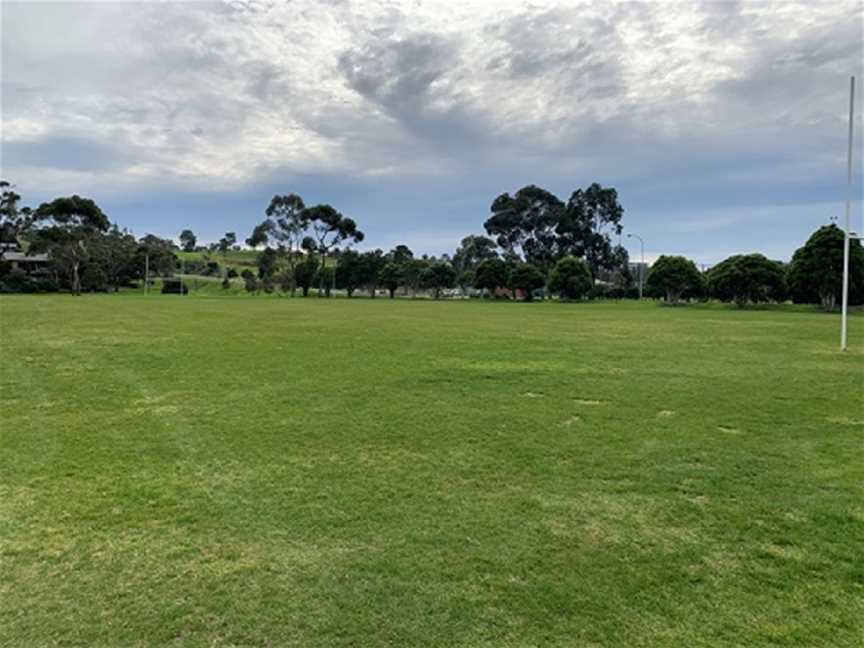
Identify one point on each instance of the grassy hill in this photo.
(282, 472)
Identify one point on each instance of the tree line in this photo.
(535, 246)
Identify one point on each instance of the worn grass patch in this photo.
(254, 472)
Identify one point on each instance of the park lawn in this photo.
(248, 472)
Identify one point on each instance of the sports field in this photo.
(272, 472)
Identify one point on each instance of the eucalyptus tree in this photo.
(472, 251)
(525, 224)
(188, 240)
(329, 230)
(286, 227)
(115, 253)
(66, 230)
(14, 219)
(587, 224)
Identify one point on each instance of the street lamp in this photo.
(642, 264)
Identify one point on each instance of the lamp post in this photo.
(847, 234)
(642, 263)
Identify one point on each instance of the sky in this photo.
(723, 125)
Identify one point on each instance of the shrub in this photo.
(174, 286)
(528, 278)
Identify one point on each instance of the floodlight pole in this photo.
(642, 264)
(845, 307)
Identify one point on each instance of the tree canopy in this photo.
(674, 277)
(747, 278)
(816, 271)
(570, 278)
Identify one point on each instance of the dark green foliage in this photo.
(227, 241)
(527, 278)
(330, 229)
(226, 283)
(188, 240)
(438, 276)
(591, 215)
(747, 278)
(18, 281)
(267, 263)
(231, 273)
(391, 277)
(14, 220)
(94, 278)
(304, 273)
(472, 251)
(115, 254)
(260, 235)
(674, 278)
(159, 251)
(570, 278)
(174, 286)
(285, 227)
(250, 281)
(285, 280)
(66, 228)
(816, 272)
(412, 272)
(490, 275)
(400, 254)
(373, 263)
(525, 224)
(350, 272)
(326, 277)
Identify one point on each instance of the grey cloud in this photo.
(69, 153)
(581, 51)
(407, 78)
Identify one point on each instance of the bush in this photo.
(174, 286)
(17, 281)
(570, 278)
(527, 278)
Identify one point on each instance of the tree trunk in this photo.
(76, 281)
(321, 273)
(392, 293)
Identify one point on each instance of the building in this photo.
(12, 254)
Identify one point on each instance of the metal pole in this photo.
(146, 274)
(642, 264)
(848, 224)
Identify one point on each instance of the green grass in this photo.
(203, 472)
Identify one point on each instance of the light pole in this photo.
(847, 234)
(642, 263)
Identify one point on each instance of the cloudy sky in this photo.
(721, 124)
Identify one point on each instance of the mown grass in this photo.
(355, 472)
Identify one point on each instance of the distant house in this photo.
(17, 259)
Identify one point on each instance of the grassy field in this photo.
(248, 472)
